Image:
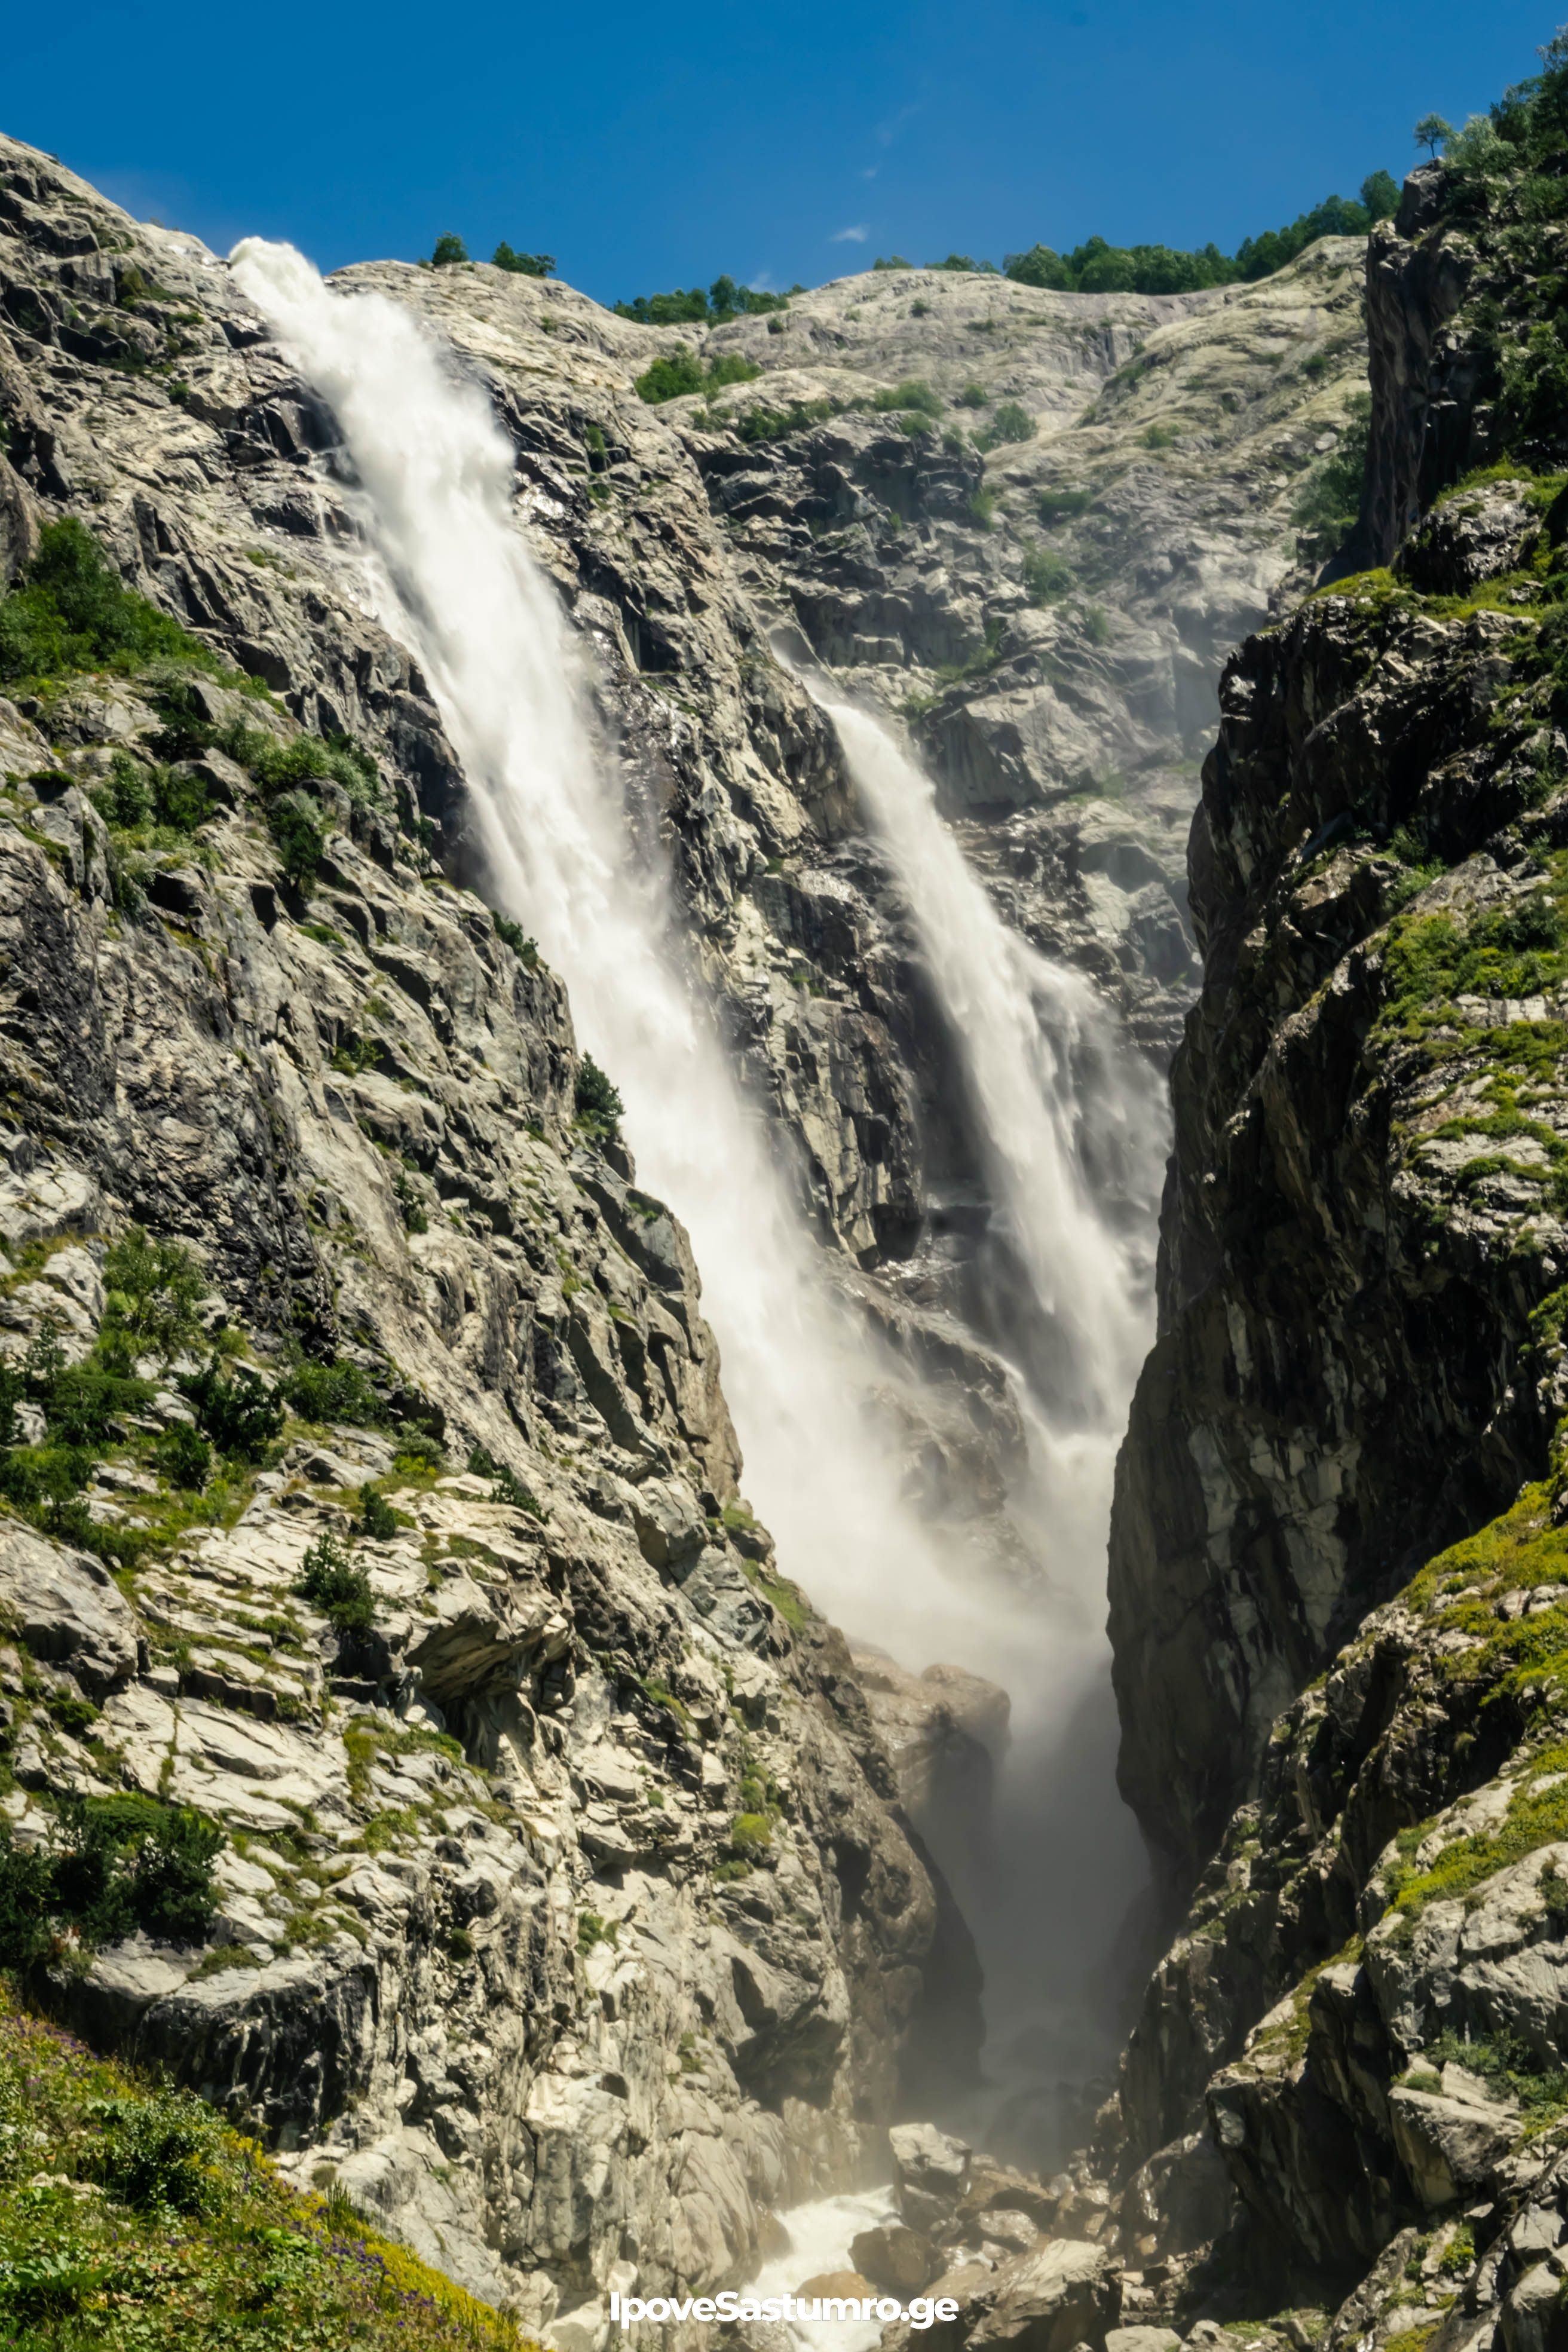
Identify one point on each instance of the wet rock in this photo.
(930, 2172)
(897, 2260)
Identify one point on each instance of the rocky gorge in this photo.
(579, 1905)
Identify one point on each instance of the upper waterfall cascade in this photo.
(449, 572)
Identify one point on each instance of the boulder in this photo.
(931, 2173)
(67, 1608)
(841, 2284)
(1062, 2295)
(897, 2260)
(1448, 2147)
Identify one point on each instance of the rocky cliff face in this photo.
(566, 1913)
(1335, 1571)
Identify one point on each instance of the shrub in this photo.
(676, 372)
(522, 265)
(134, 794)
(153, 1291)
(299, 827)
(670, 375)
(334, 1391)
(506, 1487)
(598, 1102)
(329, 1581)
(115, 1863)
(1009, 423)
(524, 949)
(185, 1457)
(72, 612)
(156, 2153)
(973, 395)
(238, 1412)
(376, 1520)
(1328, 502)
(1048, 577)
(1054, 506)
(914, 393)
(449, 250)
(893, 261)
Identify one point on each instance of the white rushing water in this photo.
(1062, 1124)
(1067, 1118)
(820, 2235)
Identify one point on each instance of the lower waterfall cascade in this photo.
(446, 568)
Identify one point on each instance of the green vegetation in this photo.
(598, 1102)
(1009, 422)
(1431, 132)
(524, 949)
(1097, 268)
(676, 373)
(132, 2220)
(1048, 577)
(153, 1289)
(1053, 507)
(914, 396)
(114, 1864)
(506, 1487)
(377, 1519)
(450, 251)
(334, 1391)
(1328, 502)
(591, 1931)
(760, 423)
(234, 1408)
(523, 265)
(1512, 2068)
(72, 613)
(722, 302)
(330, 1581)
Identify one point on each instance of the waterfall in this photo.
(449, 573)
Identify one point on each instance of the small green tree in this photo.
(520, 265)
(670, 375)
(450, 250)
(299, 827)
(1431, 131)
(1380, 194)
(331, 1582)
(599, 1104)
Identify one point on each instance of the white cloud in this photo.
(855, 236)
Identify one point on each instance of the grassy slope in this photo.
(132, 2219)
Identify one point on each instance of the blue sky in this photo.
(651, 146)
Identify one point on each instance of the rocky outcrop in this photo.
(566, 1915)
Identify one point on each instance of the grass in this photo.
(132, 2219)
